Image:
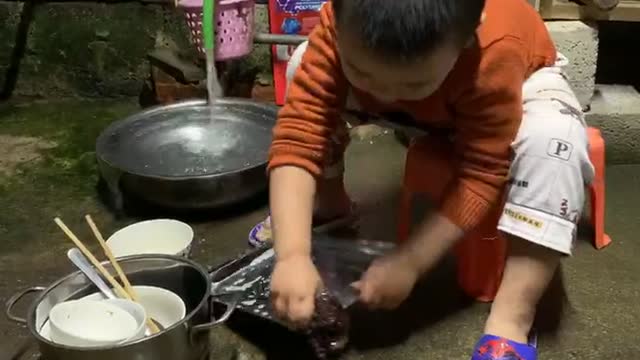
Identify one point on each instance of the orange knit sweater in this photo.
(480, 102)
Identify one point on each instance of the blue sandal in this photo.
(491, 347)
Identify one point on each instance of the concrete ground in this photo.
(47, 170)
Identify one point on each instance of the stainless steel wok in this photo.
(189, 155)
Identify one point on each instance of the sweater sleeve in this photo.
(315, 97)
(488, 116)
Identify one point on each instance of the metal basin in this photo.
(189, 155)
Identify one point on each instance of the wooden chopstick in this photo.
(127, 285)
(109, 254)
(119, 289)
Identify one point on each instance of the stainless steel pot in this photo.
(189, 155)
(188, 339)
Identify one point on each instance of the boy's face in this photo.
(413, 80)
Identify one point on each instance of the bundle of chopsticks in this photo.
(125, 290)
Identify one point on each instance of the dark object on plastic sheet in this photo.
(328, 331)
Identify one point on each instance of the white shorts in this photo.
(551, 165)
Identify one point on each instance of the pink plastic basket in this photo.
(234, 26)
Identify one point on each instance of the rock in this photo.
(615, 110)
(578, 41)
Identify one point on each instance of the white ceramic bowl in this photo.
(160, 304)
(160, 236)
(137, 311)
(90, 323)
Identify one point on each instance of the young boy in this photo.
(488, 72)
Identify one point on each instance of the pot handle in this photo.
(231, 306)
(14, 300)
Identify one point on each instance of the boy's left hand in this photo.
(388, 281)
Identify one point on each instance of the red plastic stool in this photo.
(481, 254)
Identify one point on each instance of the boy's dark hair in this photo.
(405, 29)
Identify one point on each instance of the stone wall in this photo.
(578, 42)
(84, 49)
(600, 53)
(89, 49)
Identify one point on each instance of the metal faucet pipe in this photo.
(279, 39)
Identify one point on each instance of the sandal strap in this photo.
(491, 347)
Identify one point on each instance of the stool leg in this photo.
(597, 188)
(597, 215)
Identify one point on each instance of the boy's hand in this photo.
(388, 281)
(294, 283)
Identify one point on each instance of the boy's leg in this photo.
(544, 200)
(528, 271)
(332, 201)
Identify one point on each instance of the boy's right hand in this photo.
(294, 283)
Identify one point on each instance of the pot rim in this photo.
(32, 308)
(102, 138)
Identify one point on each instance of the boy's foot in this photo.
(261, 233)
(492, 347)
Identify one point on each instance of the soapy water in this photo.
(194, 140)
(199, 147)
(254, 282)
(198, 150)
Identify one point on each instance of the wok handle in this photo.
(14, 300)
(231, 306)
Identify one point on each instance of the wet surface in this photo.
(591, 313)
